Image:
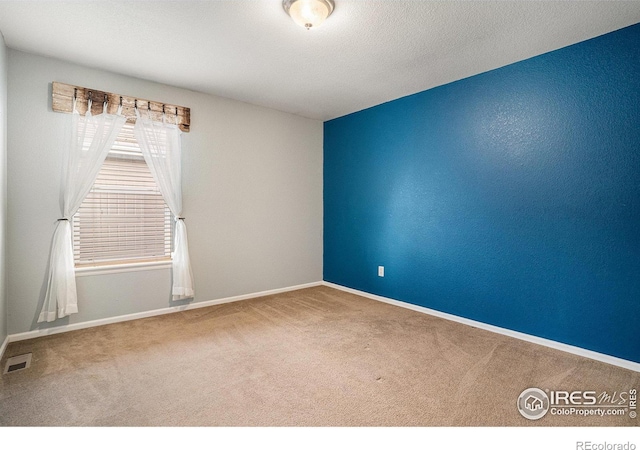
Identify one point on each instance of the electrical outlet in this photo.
(381, 271)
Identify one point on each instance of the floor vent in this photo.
(16, 363)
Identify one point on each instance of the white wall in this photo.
(3, 189)
(252, 187)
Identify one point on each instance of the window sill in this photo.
(121, 268)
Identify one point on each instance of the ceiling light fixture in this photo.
(308, 13)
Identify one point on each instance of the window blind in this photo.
(124, 218)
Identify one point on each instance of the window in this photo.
(124, 218)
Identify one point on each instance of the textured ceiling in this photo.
(366, 53)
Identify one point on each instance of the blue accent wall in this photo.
(511, 197)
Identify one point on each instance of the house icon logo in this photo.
(533, 403)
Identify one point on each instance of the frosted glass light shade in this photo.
(308, 13)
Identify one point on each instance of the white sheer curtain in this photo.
(91, 138)
(160, 145)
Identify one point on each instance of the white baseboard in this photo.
(141, 315)
(3, 347)
(631, 365)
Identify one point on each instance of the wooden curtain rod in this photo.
(62, 101)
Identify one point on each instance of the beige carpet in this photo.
(313, 357)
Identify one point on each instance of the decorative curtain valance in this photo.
(63, 95)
